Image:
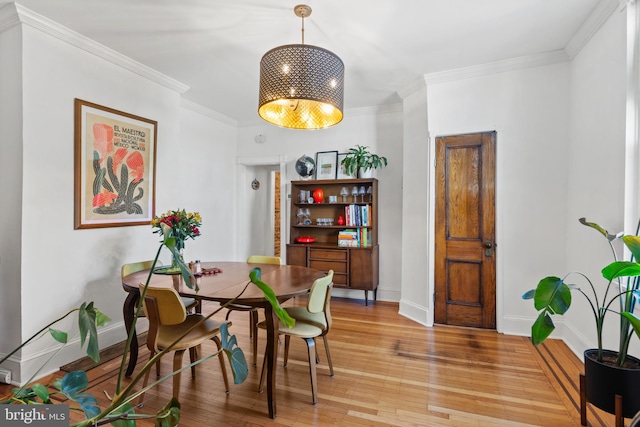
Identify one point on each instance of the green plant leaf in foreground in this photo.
(633, 244)
(634, 320)
(621, 269)
(72, 386)
(552, 295)
(235, 355)
(271, 297)
(169, 415)
(542, 328)
(89, 318)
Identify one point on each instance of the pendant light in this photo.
(301, 86)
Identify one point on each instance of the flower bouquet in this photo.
(181, 225)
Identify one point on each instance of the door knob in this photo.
(488, 246)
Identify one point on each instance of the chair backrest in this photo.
(170, 308)
(263, 259)
(134, 267)
(320, 293)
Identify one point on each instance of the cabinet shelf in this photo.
(354, 267)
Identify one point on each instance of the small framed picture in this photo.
(341, 173)
(326, 164)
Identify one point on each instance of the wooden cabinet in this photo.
(354, 267)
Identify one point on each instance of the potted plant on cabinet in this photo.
(360, 162)
(607, 373)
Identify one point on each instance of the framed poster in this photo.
(114, 162)
(326, 164)
(341, 173)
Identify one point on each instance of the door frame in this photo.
(432, 224)
(242, 165)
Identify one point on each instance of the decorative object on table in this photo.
(341, 220)
(255, 184)
(354, 193)
(333, 199)
(359, 162)
(607, 373)
(304, 239)
(305, 167)
(370, 194)
(326, 164)
(318, 195)
(301, 86)
(181, 225)
(114, 167)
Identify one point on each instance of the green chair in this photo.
(312, 321)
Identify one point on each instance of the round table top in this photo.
(286, 281)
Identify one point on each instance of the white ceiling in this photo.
(215, 46)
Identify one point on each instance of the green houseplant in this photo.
(120, 412)
(553, 296)
(359, 160)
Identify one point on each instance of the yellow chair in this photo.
(125, 270)
(168, 320)
(312, 321)
(253, 311)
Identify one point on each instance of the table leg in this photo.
(128, 311)
(271, 321)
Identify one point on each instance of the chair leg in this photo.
(193, 356)
(287, 338)
(146, 379)
(311, 346)
(253, 319)
(177, 364)
(263, 373)
(223, 367)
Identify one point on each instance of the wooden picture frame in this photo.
(326, 164)
(340, 172)
(114, 167)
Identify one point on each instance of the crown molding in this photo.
(197, 108)
(413, 87)
(592, 24)
(13, 14)
(548, 58)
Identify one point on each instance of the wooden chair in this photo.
(168, 320)
(125, 270)
(253, 311)
(312, 321)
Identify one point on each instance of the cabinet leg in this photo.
(366, 297)
(583, 400)
(618, 406)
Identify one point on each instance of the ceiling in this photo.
(215, 46)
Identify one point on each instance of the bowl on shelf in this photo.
(304, 239)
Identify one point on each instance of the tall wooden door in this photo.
(465, 267)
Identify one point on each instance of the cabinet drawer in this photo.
(337, 267)
(328, 254)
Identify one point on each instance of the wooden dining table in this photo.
(287, 281)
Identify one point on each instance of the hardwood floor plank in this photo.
(389, 371)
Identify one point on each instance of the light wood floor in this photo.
(389, 371)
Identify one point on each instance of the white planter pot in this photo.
(365, 173)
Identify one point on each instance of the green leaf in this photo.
(542, 328)
(594, 226)
(72, 386)
(621, 269)
(529, 294)
(169, 416)
(59, 336)
(42, 392)
(271, 297)
(87, 326)
(126, 409)
(552, 295)
(634, 320)
(633, 244)
(235, 355)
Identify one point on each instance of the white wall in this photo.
(381, 130)
(61, 267)
(529, 110)
(596, 171)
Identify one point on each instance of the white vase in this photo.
(365, 173)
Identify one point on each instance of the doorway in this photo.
(465, 262)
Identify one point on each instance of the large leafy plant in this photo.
(359, 157)
(552, 295)
(121, 412)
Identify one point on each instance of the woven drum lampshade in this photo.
(301, 86)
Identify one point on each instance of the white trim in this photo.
(519, 63)
(591, 25)
(415, 312)
(197, 108)
(13, 14)
(632, 149)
